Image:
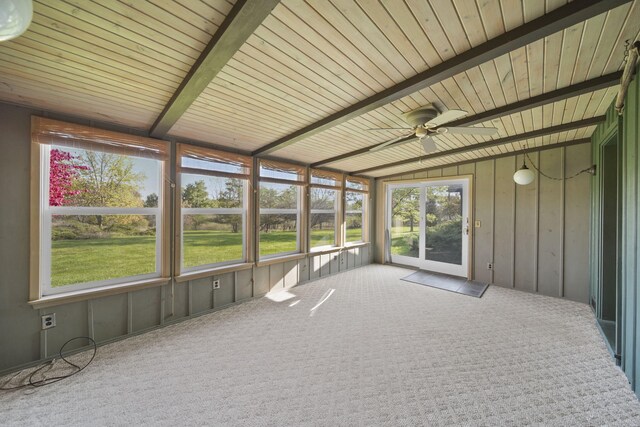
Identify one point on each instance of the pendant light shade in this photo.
(15, 18)
(524, 175)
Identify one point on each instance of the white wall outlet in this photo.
(216, 284)
(48, 321)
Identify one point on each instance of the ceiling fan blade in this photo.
(429, 145)
(376, 129)
(467, 130)
(446, 117)
(391, 141)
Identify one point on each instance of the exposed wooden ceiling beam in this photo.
(497, 156)
(550, 23)
(239, 24)
(513, 138)
(525, 104)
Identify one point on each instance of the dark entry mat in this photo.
(448, 283)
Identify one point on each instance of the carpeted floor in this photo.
(377, 351)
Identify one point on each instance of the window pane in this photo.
(278, 234)
(211, 239)
(354, 228)
(323, 230)
(357, 184)
(278, 196)
(354, 214)
(279, 207)
(201, 191)
(215, 166)
(90, 248)
(405, 221)
(86, 178)
(443, 231)
(323, 217)
(271, 169)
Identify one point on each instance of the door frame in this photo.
(427, 181)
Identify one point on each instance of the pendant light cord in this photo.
(590, 170)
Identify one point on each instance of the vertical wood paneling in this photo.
(630, 254)
(576, 239)
(261, 280)
(225, 295)
(483, 205)
(550, 223)
(110, 317)
(290, 274)
(526, 238)
(145, 308)
(504, 215)
(201, 295)
(74, 318)
(276, 277)
(243, 284)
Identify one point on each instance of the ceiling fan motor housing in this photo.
(421, 116)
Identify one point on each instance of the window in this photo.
(213, 207)
(356, 197)
(280, 205)
(324, 199)
(101, 214)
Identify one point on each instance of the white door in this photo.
(428, 225)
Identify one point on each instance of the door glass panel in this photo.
(443, 220)
(405, 221)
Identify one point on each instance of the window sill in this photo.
(356, 245)
(85, 294)
(348, 246)
(192, 275)
(320, 251)
(284, 258)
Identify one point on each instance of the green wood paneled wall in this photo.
(628, 128)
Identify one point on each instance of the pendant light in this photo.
(524, 175)
(15, 18)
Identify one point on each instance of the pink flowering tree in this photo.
(62, 174)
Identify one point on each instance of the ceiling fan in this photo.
(427, 122)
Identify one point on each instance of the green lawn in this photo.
(89, 260)
(404, 242)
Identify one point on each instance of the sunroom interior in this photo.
(233, 192)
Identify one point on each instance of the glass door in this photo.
(429, 225)
(405, 224)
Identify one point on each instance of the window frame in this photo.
(47, 133)
(301, 212)
(338, 179)
(191, 151)
(364, 190)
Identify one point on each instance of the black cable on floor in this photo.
(48, 366)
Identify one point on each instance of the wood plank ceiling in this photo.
(121, 62)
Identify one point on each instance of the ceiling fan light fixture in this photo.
(421, 132)
(15, 18)
(524, 175)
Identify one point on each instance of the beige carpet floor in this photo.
(375, 351)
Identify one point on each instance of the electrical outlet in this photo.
(335, 257)
(216, 284)
(489, 266)
(48, 321)
(478, 223)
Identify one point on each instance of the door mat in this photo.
(445, 282)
